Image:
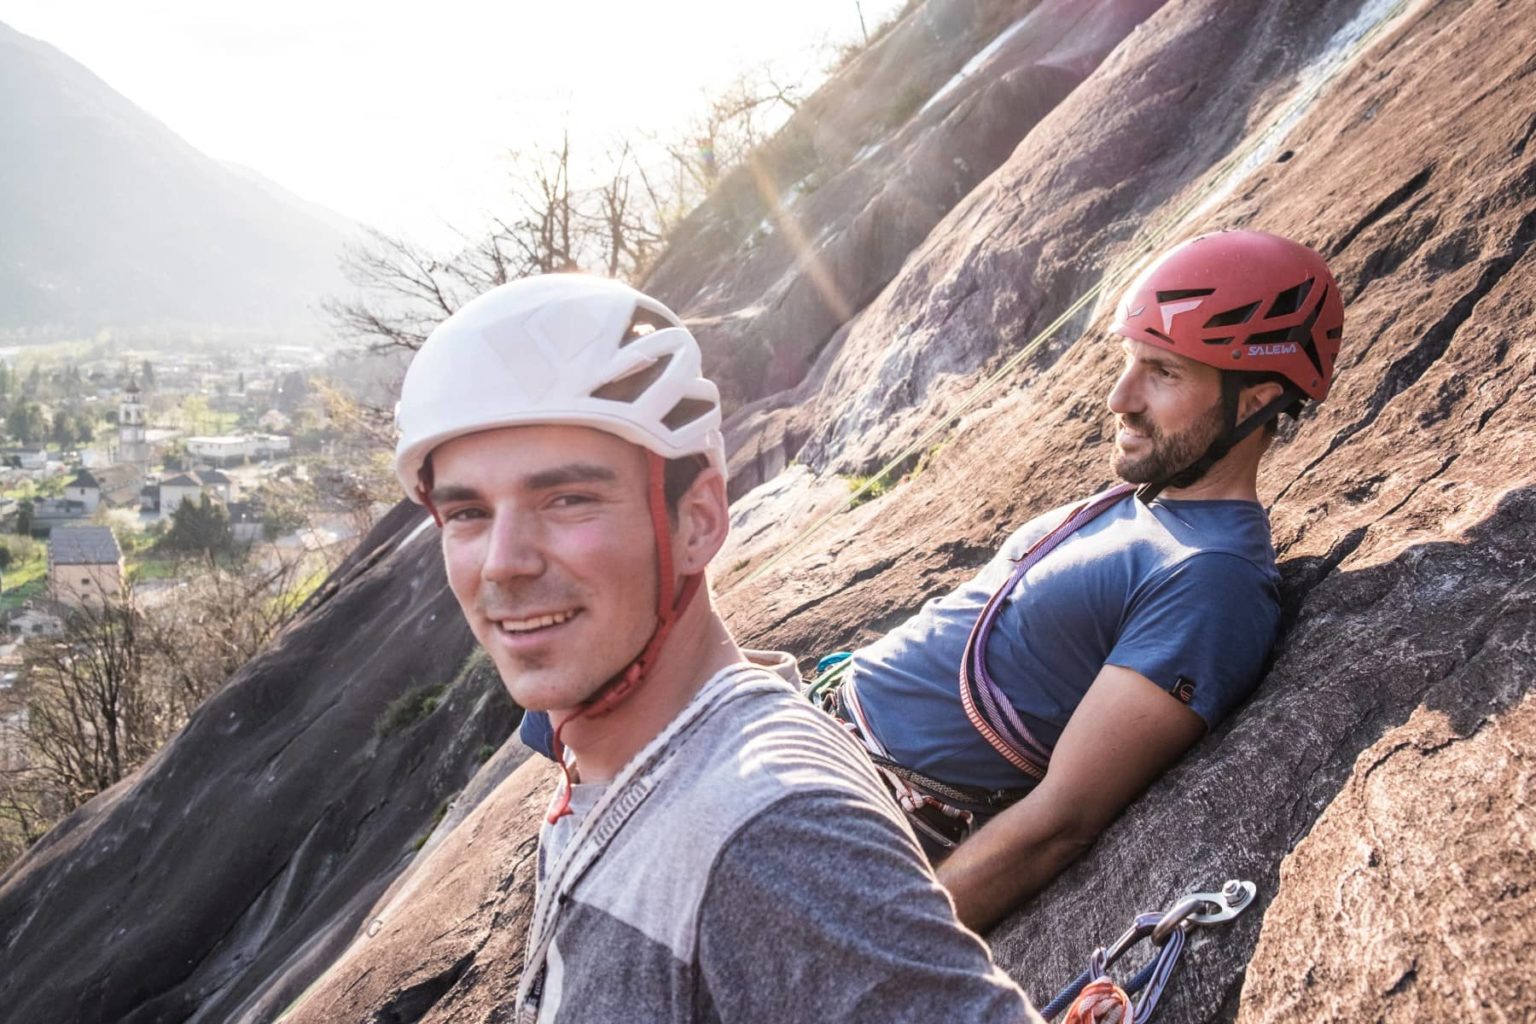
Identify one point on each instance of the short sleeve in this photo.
(822, 908)
(1202, 631)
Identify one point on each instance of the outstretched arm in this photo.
(1123, 735)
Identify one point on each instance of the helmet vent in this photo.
(1335, 333)
(1159, 334)
(686, 411)
(1232, 318)
(645, 322)
(1272, 337)
(1184, 293)
(1219, 341)
(1290, 300)
(631, 386)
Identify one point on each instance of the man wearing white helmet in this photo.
(693, 866)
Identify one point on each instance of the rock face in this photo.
(1373, 922)
(218, 881)
(1385, 759)
(791, 246)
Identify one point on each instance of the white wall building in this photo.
(223, 449)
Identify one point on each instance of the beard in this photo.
(1167, 454)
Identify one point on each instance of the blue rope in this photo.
(1072, 991)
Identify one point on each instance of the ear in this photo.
(703, 520)
(1256, 396)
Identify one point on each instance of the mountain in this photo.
(284, 854)
(109, 219)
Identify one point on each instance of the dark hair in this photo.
(679, 476)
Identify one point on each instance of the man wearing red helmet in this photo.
(1022, 712)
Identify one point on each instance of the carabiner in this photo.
(1139, 929)
(1233, 899)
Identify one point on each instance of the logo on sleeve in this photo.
(1184, 689)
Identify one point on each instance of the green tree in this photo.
(149, 375)
(199, 528)
(26, 423)
(70, 428)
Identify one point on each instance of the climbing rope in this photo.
(1094, 998)
(1142, 244)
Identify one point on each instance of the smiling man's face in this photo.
(549, 548)
(1167, 412)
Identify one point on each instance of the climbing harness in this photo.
(941, 813)
(1093, 998)
(987, 707)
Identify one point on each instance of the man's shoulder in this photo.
(1207, 532)
(764, 742)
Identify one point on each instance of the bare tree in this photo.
(205, 631)
(546, 233)
(616, 223)
(120, 680)
(628, 234)
(90, 718)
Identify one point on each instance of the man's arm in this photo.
(1123, 735)
(824, 909)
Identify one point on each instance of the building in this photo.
(132, 440)
(85, 565)
(26, 458)
(223, 450)
(48, 513)
(113, 486)
(245, 522)
(269, 445)
(216, 485)
(86, 489)
(36, 619)
(179, 488)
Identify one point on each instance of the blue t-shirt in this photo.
(1183, 592)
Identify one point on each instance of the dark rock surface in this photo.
(1404, 513)
(237, 863)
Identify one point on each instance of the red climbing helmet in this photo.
(1241, 300)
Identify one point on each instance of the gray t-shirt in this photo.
(755, 870)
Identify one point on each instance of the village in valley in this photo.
(166, 496)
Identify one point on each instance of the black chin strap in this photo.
(1290, 400)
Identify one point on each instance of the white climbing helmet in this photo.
(563, 349)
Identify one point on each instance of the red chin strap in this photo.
(671, 602)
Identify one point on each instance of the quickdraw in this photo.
(1093, 998)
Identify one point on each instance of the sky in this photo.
(403, 118)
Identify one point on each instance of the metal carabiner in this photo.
(1140, 929)
(1234, 898)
